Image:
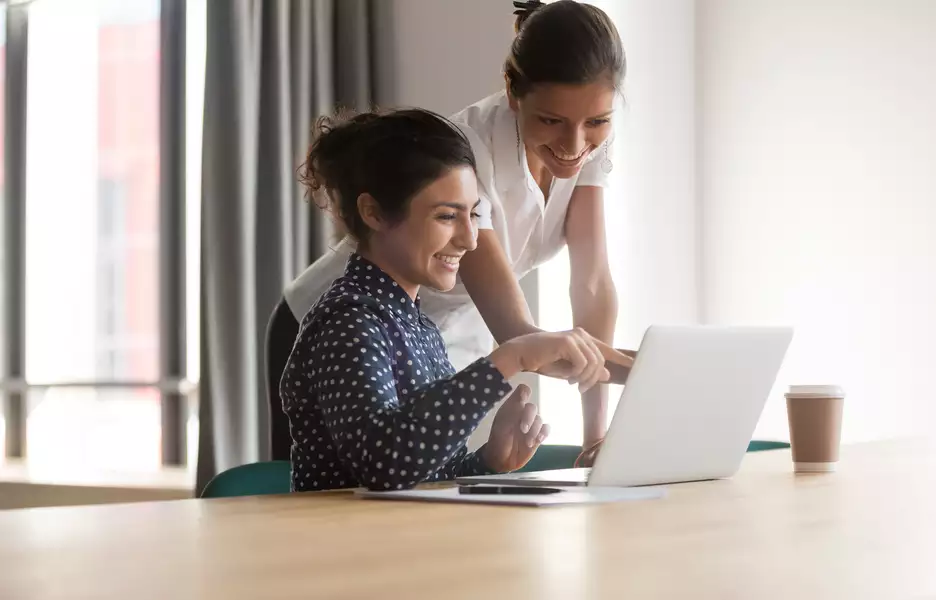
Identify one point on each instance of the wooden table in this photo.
(868, 531)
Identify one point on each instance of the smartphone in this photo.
(512, 490)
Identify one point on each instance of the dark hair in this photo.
(392, 156)
(563, 42)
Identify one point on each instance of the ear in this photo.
(370, 212)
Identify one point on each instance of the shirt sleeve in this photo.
(386, 441)
(484, 162)
(464, 464)
(304, 291)
(485, 213)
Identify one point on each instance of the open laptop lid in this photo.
(688, 411)
(691, 405)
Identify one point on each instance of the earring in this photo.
(519, 155)
(606, 164)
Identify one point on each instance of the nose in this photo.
(466, 233)
(573, 140)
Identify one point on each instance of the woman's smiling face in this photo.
(563, 124)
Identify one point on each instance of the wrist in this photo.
(594, 414)
(505, 360)
(482, 453)
(518, 330)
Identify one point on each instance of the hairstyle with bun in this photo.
(391, 155)
(563, 42)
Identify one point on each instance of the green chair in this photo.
(552, 456)
(254, 479)
(761, 445)
(555, 456)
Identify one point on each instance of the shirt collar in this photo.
(510, 162)
(375, 282)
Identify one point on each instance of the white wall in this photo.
(817, 164)
(441, 54)
(651, 204)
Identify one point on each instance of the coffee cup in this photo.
(815, 417)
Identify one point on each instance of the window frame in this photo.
(175, 389)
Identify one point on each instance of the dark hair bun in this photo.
(523, 12)
(391, 155)
(565, 42)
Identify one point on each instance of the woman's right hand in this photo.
(618, 363)
(535, 351)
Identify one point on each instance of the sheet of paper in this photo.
(568, 495)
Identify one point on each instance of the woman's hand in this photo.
(617, 362)
(516, 433)
(535, 351)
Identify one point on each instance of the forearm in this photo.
(495, 291)
(595, 311)
(463, 464)
(508, 316)
(396, 443)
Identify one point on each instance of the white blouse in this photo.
(529, 228)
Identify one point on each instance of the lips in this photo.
(570, 159)
(448, 261)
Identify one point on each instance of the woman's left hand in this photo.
(516, 433)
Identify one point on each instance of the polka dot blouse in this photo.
(371, 396)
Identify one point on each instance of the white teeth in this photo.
(449, 260)
(569, 157)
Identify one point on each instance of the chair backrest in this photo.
(254, 479)
(281, 333)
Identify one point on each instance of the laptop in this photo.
(690, 406)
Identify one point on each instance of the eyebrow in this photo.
(558, 116)
(457, 206)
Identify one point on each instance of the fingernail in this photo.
(524, 427)
(531, 443)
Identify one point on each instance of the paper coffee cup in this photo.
(815, 417)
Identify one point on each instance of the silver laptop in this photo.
(687, 413)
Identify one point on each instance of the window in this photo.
(92, 216)
(112, 344)
(95, 382)
(92, 223)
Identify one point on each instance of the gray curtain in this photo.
(272, 67)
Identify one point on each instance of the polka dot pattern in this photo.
(371, 396)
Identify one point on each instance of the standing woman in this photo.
(542, 151)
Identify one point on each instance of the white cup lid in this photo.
(816, 391)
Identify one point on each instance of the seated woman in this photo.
(371, 397)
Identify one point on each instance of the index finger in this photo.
(625, 358)
(573, 354)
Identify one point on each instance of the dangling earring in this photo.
(606, 164)
(519, 153)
